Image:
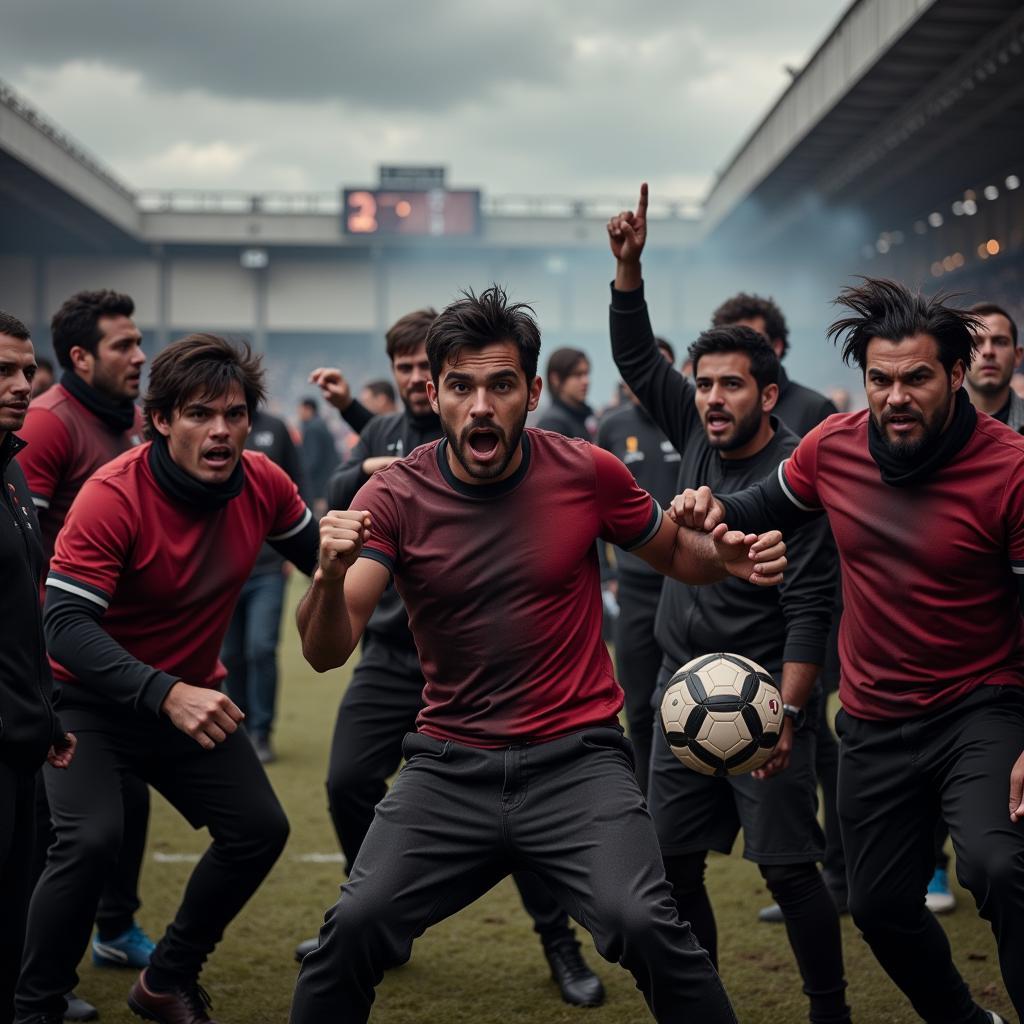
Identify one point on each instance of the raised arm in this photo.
(344, 592)
(663, 391)
(336, 391)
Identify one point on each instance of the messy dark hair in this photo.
(561, 363)
(476, 321)
(747, 307)
(889, 310)
(198, 368)
(77, 321)
(407, 333)
(764, 363)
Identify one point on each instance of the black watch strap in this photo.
(798, 715)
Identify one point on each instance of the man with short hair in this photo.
(141, 587)
(31, 732)
(72, 430)
(926, 502)
(997, 357)
(518, 761)
(379, 397)
(724, 428)
(568, 380)
(386, 690)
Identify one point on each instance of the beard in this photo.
(107, 383)
(746, 429)
(907, 450)
(459, 444)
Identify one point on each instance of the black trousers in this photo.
(17, 814)
(224, 790)
(379, 708)
(119, 899)
(459, 819)
(895, 779)
(637, 660)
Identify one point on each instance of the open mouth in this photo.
(717, 422)
(217, 457)
(901, 423)
(483, 443)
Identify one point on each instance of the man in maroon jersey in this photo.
(926, 502)
(72, 429)
(141, 587)
(518, 761)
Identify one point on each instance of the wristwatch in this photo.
(798, 715)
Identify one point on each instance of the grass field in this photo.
(484, 964)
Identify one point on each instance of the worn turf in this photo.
(484, 964)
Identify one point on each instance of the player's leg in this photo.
(685, 873)
(86, 808)
(434, 846)
(378, 709)
(17, 835)
(574, 811)
(887, 808)
(982, 738)
(782, 836)
(226, 791)
(262, 634)
(637, 660)
(119, 940)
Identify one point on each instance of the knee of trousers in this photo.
(995, 870)
(262, 837)
(359, 930)
(875, 912)
(791, 882)
(349, 784)
(630, 927)
(93, 847)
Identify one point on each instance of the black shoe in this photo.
(79, 1009)
(182, 1006)
(579, 985)
(304, 948)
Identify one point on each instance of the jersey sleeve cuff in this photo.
(154, 693)
(297, 527)
(70, 585)
(653, 524)
(628, 302)
(379, 556)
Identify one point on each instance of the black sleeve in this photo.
(345, 483)
(76, 639)
(766, 506)
(300, 548)
(807, 591)
(1020, 579)
(663, 391)
(357, 416)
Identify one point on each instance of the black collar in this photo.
(9, 448)
(936, 453)
(118, 415)
(483, 492)
(184, 487)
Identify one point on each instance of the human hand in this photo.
(779, 760)
(627, 231)
(758, 559)
(376, 463)
(1017, 791)
(208, 716)
(342, 535)
(333, 386)
(61, 755)
(698, 509)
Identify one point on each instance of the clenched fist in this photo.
(342, 535)
(333, 386)
(696, 508)
(208, 716)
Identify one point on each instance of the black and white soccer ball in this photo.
(722, 714)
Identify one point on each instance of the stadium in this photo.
(895, 152)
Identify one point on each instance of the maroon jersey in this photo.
(502, 584)
(66, 444)
(930, 598)
(168, 574)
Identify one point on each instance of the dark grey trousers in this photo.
(459, 819)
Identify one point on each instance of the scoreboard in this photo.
(433, 213)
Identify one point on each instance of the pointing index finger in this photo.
(641, 207)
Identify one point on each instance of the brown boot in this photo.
(182, 1006)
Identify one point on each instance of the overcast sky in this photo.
(579, 97)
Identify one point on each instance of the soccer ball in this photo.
(722, 714)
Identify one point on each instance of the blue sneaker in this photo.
(939, 899)
(130, 949)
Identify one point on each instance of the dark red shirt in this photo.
(66, 444)
(168, 574)
(502, 585)
(930, 597)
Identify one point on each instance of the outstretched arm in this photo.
(344, 592)
(697, 558)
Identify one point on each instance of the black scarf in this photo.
(936, 453)
(184, 487)
(118, 415)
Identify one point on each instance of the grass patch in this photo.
(485, 963)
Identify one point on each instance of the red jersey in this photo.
(169, 574)
(66, 444)
(502, 584)
(931, 606)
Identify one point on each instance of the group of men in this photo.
(454, 527)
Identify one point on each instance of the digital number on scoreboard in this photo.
(434, 213)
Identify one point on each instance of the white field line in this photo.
(298, 858)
